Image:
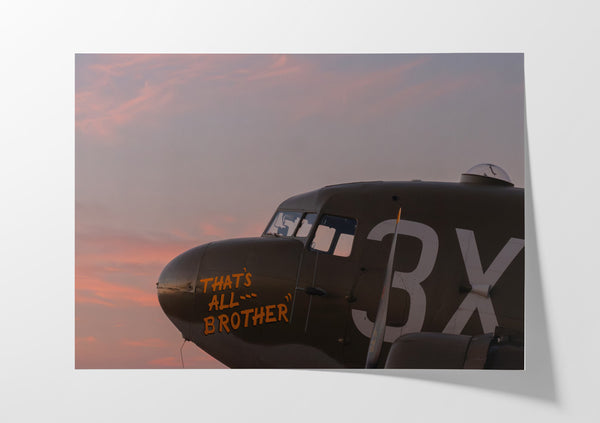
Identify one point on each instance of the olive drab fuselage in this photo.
(305, 293)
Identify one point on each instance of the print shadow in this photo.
(537, 380)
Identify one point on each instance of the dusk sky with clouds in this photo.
(173, 151)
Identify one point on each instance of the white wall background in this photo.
(38, 42)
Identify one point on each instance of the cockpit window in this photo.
(334, 235)
(344, 245)
(284, 223)
(306, 225)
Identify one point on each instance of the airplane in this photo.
(377, 274)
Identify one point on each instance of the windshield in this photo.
(305, 226)
(284, 223)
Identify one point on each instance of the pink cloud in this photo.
(101, 107)
(146, 343)
(328, 93)
(149, 98)
(120, 62)
(86, 339)
(165, 362)
(252, 229)
(84, 299)
(280, 61)
(88, 289)
(109, 246)
(212, 230)
(414, 96)
(99, 111)
(227, 219)
(220, 227)
(119, 269)
(278, 68)
(196, 361)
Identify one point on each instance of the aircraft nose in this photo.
(176, 284)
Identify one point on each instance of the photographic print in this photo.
(299, 211)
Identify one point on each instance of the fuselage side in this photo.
(283, 301)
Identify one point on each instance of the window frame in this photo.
(304, 238)
(265, 231)
(332, 248)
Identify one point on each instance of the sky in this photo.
(173, 151)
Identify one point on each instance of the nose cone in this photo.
(176, 286)
(226, 295)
